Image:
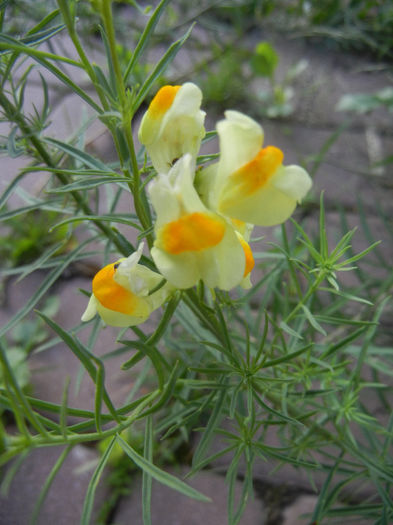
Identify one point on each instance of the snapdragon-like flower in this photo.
(173, 125)
(250, 183)
(121, 292)
(192, 242)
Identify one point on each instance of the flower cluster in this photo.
(204, 218)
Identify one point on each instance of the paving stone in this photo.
(172, 508)
(65, 498)
(300, 511)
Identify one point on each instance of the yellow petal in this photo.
(162, 101)
(191, 233)
(110, 294)
(251, 177)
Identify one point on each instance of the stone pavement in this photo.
(345, 174)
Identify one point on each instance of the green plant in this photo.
(285, 355)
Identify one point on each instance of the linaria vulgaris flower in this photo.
(249, 183)
(121, 292)
(173, 125)
(193, 242)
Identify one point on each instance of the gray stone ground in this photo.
(344, 175)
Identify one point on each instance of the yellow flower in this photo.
(250, 183)
(192, 242)
(173, 125)
(121, 292)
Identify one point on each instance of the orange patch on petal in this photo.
(192, 233)
(255, 174)
(250, 263)
(110, 294)
(163, 101)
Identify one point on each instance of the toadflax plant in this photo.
(279, 356)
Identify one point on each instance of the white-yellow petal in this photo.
(112, 318)
(121, 292)
(294, 181)
(240, 140)
(173, 125)
(91, 309)
(192, 242)
(250, 183)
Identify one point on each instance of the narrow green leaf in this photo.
(289, 330)
(48, 483)
(100, 377)
(7, 43)
(358, 255)
(120, 219)
(323, 242)
(343, 343)
(146, 477)
(313, 322)
(161, 476)
(209, 432)
(64, 407)
(19, 394)
(154, 355)
(280, 415)
(88, 184)
(165, 319)
(42, 205)
(167, 392)
(10, 189)
(145, 37)
(79, 155)
(345, 295)
(91, 489)
(160, 68)
(86, 359)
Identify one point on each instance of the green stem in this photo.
(106, 13)
(20, 444)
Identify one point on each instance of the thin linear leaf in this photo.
(166, 392)
(289, 330)
(44, 205)
(7, 43)
(48, 483)
(8, 372)
(87, 184)
(10, 189)
(280, 415)
(86, 359)
(161, 476)
(91, 489)
(313, 322)
(144, 39)
(79, 155)
(160, 68)
(165, 319)
(214, 421)
(120, 219)
(146, 477)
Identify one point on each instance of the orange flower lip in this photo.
(256, 173)
(163, 101)
(192, 233)
(110, 294)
